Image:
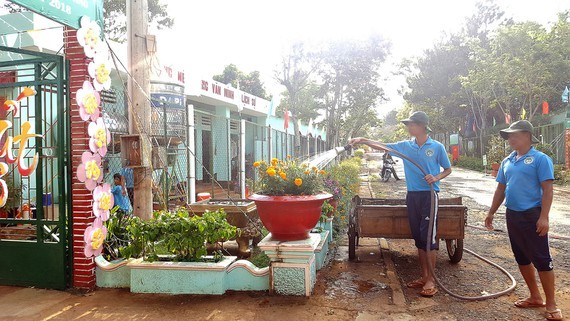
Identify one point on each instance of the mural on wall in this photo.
(88, 99)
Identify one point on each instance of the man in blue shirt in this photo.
(120, 194)
(431, 155)
(525, 181)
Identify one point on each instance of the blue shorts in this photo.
(418, 204)
(528, 247)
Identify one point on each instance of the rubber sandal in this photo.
(524, 304)
(417, 284)
(550, 315)
(428, 293)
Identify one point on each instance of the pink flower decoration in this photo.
(89, 101)
(100, 70)
(103, 201)
(89, 171)
(100, 137)
(89, 36)
(94, 238)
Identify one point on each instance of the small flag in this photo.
(545, 108)
(271, 109)
(310, 127)
(565, 95)
(507, 119)
(286, 116)
(494, 121)
(523, 114)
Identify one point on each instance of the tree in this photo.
(250, 83)
(297, 67)
(350, 89)
(116, 22)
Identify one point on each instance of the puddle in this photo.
(347, 285)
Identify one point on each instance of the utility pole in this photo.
(139, 113)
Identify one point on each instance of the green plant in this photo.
(359, 153)
(545, 148)
(287, 178)
(15, 192)
(468, 162)
(118, 237)
(327, 210)
(182, 234)
(561, 175)
(496, 150)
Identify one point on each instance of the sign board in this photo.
(67, 12)
(484, 160)
(454, 139)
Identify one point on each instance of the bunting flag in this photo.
(286, 116)
(271, 109)
(545, 108)
(310, 127)
(565, 95)
(494, 121)
(523, 114)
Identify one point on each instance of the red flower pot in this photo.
(289, 218)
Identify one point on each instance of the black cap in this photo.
(519, 126)
(418, 117)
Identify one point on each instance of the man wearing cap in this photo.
(431, 155)
(525, 181)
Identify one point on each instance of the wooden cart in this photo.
(388, 218)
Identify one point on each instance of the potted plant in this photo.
(496, 152)
(288, 197)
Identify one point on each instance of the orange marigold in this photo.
(270, 171)
(298, 181)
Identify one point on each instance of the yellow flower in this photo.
(307, 172)
(298, 181)
(288, 156)
(105, 202)
(92, 170)
(101, 137)
(322, 172)
(256, 164)
(283, 175)
(102, 73)
(270, 171)
(90, 103)
(315, 169)
(97, 239)
(274, 161)
(305, 165)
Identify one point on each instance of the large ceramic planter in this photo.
(113, 274)
(289, 218)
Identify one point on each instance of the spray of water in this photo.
(323, 159)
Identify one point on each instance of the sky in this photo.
(254, 34)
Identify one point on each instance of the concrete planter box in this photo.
(180, 277)
(114, 274)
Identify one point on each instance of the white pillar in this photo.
(191, 155)
(242, 158)
(269, 143)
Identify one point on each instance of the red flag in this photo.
(286, 124)
(545, 107)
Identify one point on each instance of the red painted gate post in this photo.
(83, 275)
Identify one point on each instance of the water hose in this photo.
(433, 209)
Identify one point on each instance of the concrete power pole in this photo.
(139, 91)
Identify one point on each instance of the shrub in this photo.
(359, 153)
(473, 163)
(182, 234)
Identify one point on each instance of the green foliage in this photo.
(359, 153)
(260, 259)
(545, 148)
(116, 24)
(496, 150)
(288, 177)
(250, 83)
(473, 163)
(182, 234)
(118, 237)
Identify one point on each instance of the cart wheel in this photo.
(454, 250)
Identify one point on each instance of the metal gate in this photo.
(34, 243)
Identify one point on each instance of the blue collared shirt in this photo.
(523, 178)
(120, 199)
(431, 156)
